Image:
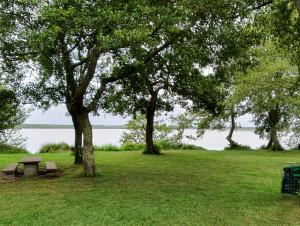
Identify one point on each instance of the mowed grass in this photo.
(176, 188)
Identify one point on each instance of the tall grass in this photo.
(11, 149)
(54, 148)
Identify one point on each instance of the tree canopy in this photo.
(134, 56)
(269, 92)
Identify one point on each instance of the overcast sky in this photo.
(58, 115)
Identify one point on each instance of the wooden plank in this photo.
(51, 166)
(11, 168)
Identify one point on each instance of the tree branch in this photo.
(91, 69)
(69, 70)
(79, 63)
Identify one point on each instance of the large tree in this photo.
(178, 70)
(77, 48)
(269, 91)
(228, 67)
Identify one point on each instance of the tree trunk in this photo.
(150, 148)
(88, 149)
(232, 143)
(273, 143)
(298, 6)
(274, 118)
(271, 138)
(77, 122)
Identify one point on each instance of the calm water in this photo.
(212, 139)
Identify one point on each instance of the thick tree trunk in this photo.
(274, 118)
(77, 122)
(88, 149)
(232, 143)
(271, 138)
(273, 143)
(150, 148)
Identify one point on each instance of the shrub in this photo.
(124, 147)
(11, 149)
(55, 148)
(238, 147)
(106, 147)
(164, 145)
(191, 147)
(132, 147)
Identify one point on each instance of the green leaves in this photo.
(270, 89)
(11, 115)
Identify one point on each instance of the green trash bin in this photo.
(291, 180)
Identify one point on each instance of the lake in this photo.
(212, 139)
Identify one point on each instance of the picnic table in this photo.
(31, 165)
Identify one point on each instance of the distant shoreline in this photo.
(54, 126)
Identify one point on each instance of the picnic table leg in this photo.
(30, 170)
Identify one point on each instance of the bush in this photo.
(164, 145)
(55, 148)
(238, 147)
(106, 147)
(124, 147)
(11, 149)
(132, 147)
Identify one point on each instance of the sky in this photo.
(58, 115)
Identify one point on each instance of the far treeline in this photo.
(217, 59)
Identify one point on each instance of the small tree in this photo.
(169, 133)
(137, 131)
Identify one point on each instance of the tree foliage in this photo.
(269, 90)
(171, 132)
(11, 116)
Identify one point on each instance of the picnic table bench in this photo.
(50, 167)
(10, 170)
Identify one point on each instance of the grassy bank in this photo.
(177, 188)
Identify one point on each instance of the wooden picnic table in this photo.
(31, 165)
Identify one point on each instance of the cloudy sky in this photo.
(58, 115)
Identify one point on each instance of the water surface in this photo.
(212, 139)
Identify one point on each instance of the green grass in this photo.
(176, 188)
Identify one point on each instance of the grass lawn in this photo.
(177, 188)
